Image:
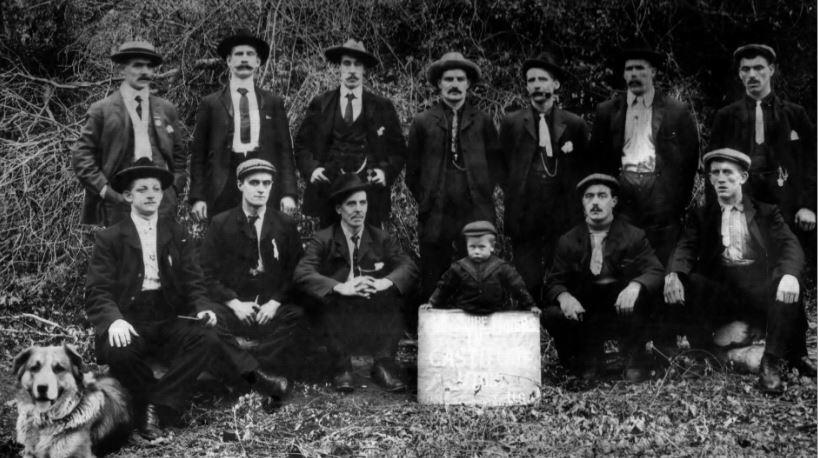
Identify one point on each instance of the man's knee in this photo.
(116, 357)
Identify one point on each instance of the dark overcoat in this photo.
(102, 148)
(791, 138)
(210, 150)
(116, 272)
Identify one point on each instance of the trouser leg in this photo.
(129, 366)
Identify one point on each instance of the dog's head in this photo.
(45, 373)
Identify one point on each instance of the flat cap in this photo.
(478, 228)
(728, 154)
(598, 178)
(252, 166)
(752, 50)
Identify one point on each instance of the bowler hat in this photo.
(133, 49)
(727, 154)
(351, 48)
(345, 185)
(751, 50)
(252, 166)
(598, 178)
(478, 228)
(142, 168)
(638, 49)
(243, 37)
(545, 61)
(449, 61)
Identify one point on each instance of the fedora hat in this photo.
(345, 185)
(545, 61)
(639, 49)
(449, 61)
(142, 168)
(243, 37)
(351, 48)
(133, 49)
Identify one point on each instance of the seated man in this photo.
(248, 259)
(362, 278)
(601, 284)
(480, 283)
(738, 259)
(143, 279)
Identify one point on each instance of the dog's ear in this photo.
(20, 361)
(77, 365)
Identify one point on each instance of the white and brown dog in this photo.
(63, 413)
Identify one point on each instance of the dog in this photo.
(63, 413)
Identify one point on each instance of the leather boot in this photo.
(274, 386)
(151, 428)
(343, 382)
(385, 374)
(769, 377)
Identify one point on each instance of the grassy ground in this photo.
(692, 408)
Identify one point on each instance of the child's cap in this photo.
(478, 228)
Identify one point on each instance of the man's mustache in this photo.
(545, 94)
(454, 91)
(595, 208)
(634, 83)
(245, 67)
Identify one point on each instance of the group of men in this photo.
(596, 272)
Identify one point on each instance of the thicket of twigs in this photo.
(54, 63)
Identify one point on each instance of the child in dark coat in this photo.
(481, 283)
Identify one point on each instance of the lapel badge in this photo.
(169, 128)
(783, 176)
(381, 130)
(567, 147)
(275, 249)
(794, 135)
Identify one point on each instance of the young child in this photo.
(481, 282)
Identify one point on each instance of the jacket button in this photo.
(133, 298)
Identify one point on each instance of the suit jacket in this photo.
(115, 272)
(213, 139)
(481, 287)
(230, 251)
(102, 147)
(626, 254)
(700, 246)
(674, 134)
(326, 261)
(428, 152)
(385, 147)
(791, 139)
(519, 143)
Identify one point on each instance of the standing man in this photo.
(350, 130)
(738, 259)
(650, 141)
(453, 165)
(248, 259)
(362, 279)
(545, 150)
(128, 125)
(779, 138)
(239, 122)
(602, 284)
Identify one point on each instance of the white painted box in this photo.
(491, 360)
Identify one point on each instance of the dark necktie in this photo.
(348, 109)
(455, 133)
(138, 99)
(356, 269)
(244, 115)
(251, 221)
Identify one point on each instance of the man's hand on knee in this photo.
(788, 289)
(119, 333)
(626, 300)
(674, 289)
(245, 311)
(267, 311)
(570, 306)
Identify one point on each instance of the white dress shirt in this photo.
(255, 120)
(141, 140)
(351, 246)
(735, 236)
(356, 102)
(146, 229)
(639, 149)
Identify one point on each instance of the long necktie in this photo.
(596, 253)
(251, 221)
(455, 134)
(348, 109)
(759, 123)
(138, 99)
(356, 269)
(545, 136)
(244, 115)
